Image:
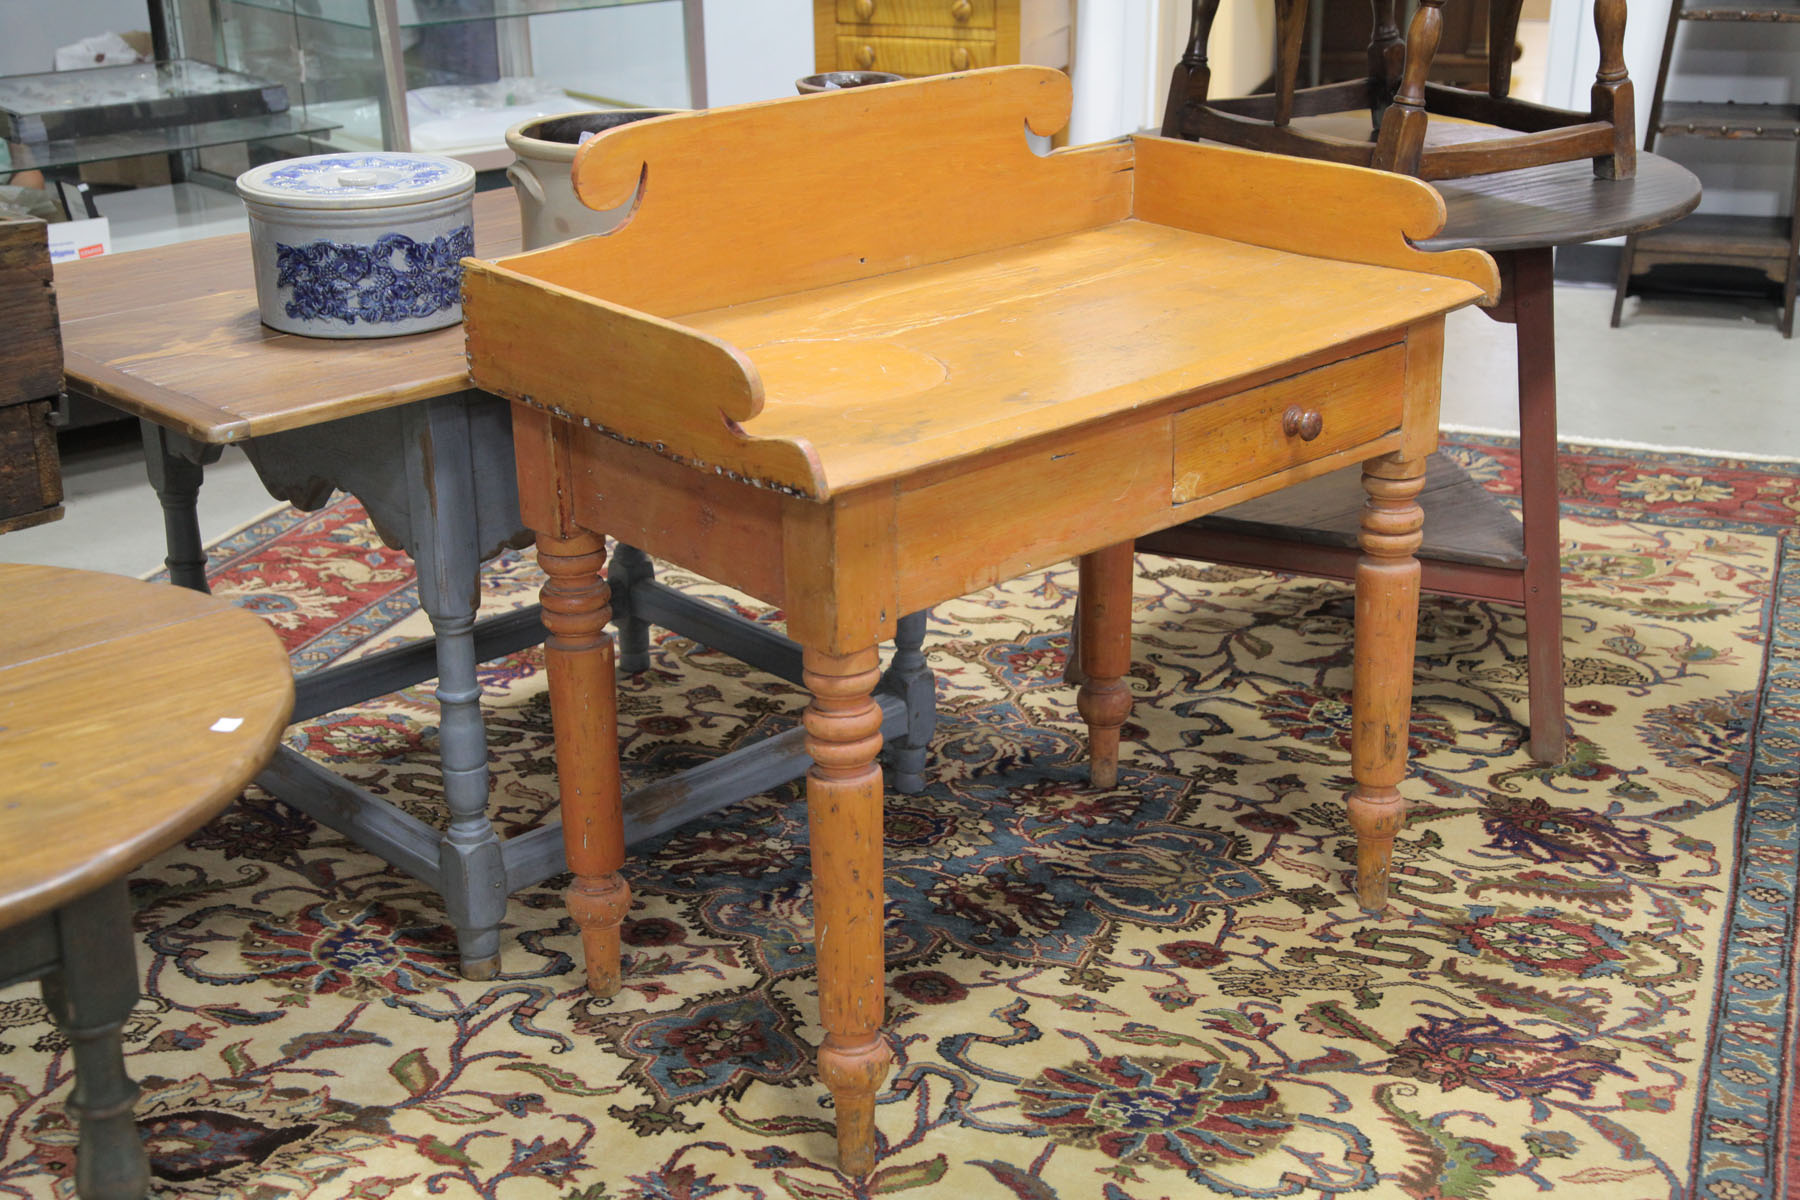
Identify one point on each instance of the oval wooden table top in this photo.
(1561, 205)
(130, 714)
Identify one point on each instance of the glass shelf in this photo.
(167, 140)
(418, 14)
(450, 76)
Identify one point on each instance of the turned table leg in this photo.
(843, 803)
(90, 996)
(1387, 617)
(578, 654)
(1104, 621)
(630, 566)
(177, 467)
(443, 538)
(908, 677)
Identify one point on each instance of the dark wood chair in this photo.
(1400, 100)
(1338, 36)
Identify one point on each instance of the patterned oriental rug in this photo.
(1585, 982)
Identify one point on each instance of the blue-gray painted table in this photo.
(171, 336)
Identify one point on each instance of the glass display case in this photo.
(449, 76)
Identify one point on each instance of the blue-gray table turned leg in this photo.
(909, 678)
(177, 466)
(631, 632)
(90, 993)
(436, 478)
(441, 486)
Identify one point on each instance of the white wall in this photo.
(1126, 50)
(31, 30)
(755, 49)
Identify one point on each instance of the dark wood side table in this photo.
(1473, 547)
(130, 714)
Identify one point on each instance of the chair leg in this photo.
(1401, 144)
(1387, 58)
(1503, 32)
(1611, 97)
(1192, 77)
(1290, 36)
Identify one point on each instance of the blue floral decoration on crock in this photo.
(395, 279)
(319, 174)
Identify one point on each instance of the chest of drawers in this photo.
(930, 37)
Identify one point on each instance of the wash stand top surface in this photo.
(897, 301)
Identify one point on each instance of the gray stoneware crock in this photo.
(549, 209)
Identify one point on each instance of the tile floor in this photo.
(1690, 374)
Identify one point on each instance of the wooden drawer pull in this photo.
(866, 57)
(865, 9)
(959, 58)
(962, 10)
(1306, 422)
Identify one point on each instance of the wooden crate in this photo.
(30, 379)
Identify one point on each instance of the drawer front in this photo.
(1237, 439)
(914, 56)
(933, 14)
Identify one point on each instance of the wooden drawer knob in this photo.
(962, 10)
(865, 9)
(865, 58)
(959, 58)
(1305, 422)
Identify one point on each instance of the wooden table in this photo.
(171, 336)
(1473, 546)
(860, 352)
(129, 716)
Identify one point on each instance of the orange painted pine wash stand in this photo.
(859, 353)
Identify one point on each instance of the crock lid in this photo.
(365, 179)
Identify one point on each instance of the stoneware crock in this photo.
(549, 209)
(359, 245)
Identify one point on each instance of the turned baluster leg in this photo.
(444, 540)
(1402, 140)
(909, 678)
(1387, 57)
(578, 654)
(1387, 618)
(1192, 75)
(1290, 35)
(843, 804)
(1503, 34)
(629, 567)
(177, 467)
(90, 996)
(1612, 93)
(1104, 619)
